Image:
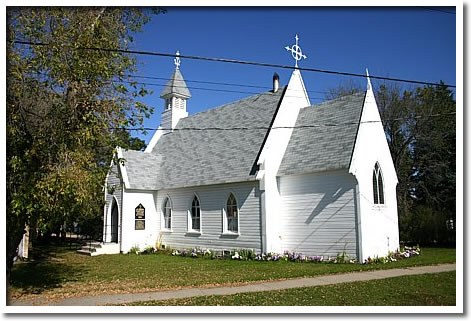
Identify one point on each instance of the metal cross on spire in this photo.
(296, 51)
(177, 59)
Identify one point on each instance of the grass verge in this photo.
(413, 290)
(66, 273)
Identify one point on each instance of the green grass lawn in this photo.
(69, 274)
(417, 290)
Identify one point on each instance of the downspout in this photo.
(121, 221)
(263, 225)
(358, 222)
(263, 215)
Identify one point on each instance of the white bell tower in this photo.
(175, 95)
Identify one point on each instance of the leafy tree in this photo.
(434, 158)
(128, 142)
(398, 109)
(345, 88)
(64, 103)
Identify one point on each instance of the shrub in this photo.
(148, 250)
(134, 250)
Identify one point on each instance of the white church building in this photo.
(270, 172)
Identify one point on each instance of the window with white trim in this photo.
(378, 188)
(232, 214)
(167, 213)
(195, 215)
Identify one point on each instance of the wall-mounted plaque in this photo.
(140, 225)
(140, 212)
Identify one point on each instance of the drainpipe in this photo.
(120, 241)
(358, 217)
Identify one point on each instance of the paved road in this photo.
(116, 299)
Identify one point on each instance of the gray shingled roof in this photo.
(321, 148)
(142, 169)
(191, 157)
(176, 85)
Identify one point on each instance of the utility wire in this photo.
(220, 83)
(150, 53)
(285, 127)
(210, 89)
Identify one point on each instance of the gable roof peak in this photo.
(368, 85)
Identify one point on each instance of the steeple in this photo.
(296, 84)
(175, 95)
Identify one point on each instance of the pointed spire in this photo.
(176, 86)
(368, 86)
(175, 95)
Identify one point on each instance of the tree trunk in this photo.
(13, 240)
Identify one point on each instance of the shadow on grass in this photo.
(34, 278)
(46, 269)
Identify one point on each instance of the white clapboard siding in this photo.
(113, 190)
(212, 201)
(318, 213)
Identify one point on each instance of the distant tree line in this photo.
(421, 131)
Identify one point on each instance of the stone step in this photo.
(89, 248)
(97, 248)
(93, 244)
(84, 252)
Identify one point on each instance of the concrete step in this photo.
(84, 252)
(89, 248)
(96, 248)
(93, 244)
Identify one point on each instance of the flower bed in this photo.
(250, 255)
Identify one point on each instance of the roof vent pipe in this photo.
(276, 82)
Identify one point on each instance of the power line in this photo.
(284, 127)
(220, 83)
(343, 98)
(209, 89)
(150, 53)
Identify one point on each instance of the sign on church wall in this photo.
(140, 216)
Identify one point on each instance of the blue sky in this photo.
(408, 43)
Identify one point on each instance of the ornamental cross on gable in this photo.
(296, 51)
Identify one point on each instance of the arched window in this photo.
(195, 214)
(167, 209)
(378, 189)
(232, 214)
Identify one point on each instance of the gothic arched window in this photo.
(232, 214)
(195, 214)
(167, 212)
(378, 188)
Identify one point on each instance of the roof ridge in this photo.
(341, 98)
